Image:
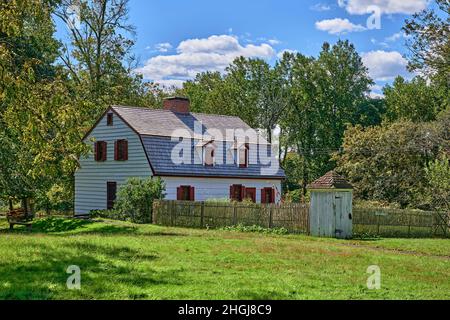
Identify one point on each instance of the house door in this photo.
(250, 193)
(111, 190)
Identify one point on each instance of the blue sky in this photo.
(178, 38)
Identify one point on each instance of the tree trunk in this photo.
(11, 207)
(269, 135)
(25, 205)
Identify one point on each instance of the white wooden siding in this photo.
(216, 188)
(91, 178)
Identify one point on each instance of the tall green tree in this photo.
(27, 53)
(301, 123)
(99, 58)
(388, 162)
(326, 96)
(414, 100)
(39, 115)
(429, 42)
(260, 91)
(207, 93)
(344, 86)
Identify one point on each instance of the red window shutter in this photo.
(104, 150)
(179, 193)
(116, 150)
(263, 195)
(96, 151)
(192, 194)
(273, 196)
(231, 192)
(125, 150)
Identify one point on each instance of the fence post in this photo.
(409, 225)
(433, 223)
(270, 217)
(234, 214)
(308, 220)
(153, 211)
(202, 214)
(172, 205)
(378, 224)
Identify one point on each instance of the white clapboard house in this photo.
(198, 156)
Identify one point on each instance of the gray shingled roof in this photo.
(158, 122)
(159, 151)
(156, 128)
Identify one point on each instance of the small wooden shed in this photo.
(331, 207)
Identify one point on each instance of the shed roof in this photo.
(331, 180)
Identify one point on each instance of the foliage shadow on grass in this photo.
(102, 267)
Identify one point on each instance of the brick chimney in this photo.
(177, 104)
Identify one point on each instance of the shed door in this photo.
(342, 214)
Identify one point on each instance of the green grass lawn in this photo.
(125, 261)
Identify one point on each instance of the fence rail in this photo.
(293, 217)
(400, 222)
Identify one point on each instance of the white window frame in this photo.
(204, 148)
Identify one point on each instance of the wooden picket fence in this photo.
(292, 216)
(400, 222)
(295, 218)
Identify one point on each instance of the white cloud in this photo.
(338, 26)
(198, 55)
(396, 36)
(320, 7)
(170, 83)
(385, 65)
(361, 7)
(376, 91)
(376, 42)
(376, 95)
(163, 47)
(281, 53)
(273, 42)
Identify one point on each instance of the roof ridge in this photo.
(217, 115)
(163, 110)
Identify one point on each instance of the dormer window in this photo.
(243, 155)
(209, 154)
(109, 119)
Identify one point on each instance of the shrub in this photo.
(387, 163)
(255, 229)
(221, 200)
(59, 197)
(106, 214)
(438, 176)
(135, 199)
